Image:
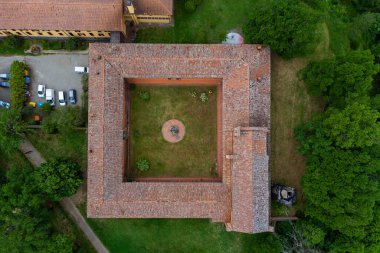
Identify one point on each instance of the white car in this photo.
(50, 97)
(62, 98)
(81, 70)
(41, 90)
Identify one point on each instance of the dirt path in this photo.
(36, 159)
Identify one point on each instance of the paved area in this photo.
(55, 71)
(36, 159)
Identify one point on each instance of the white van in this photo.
(81, 70)
(50, 97)
(62, 98)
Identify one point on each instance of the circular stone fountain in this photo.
(173, 131)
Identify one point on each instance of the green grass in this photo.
(195, 155)
(72, 145)
(63, 224)
(210, 23)
(169, 235)
(16, 158)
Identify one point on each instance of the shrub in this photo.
(49, 127)
(71, 44)
(145, 95)
(143, 164)
(85, 82)
(203, 97)
(13, 42)
(17, 85)
(47, 108)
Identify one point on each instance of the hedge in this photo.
(17, 85)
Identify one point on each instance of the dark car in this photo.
(72, 96)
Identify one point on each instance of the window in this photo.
(91, 34)
(29, 33)
(49, 33)
(71, 34)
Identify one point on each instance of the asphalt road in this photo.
(55, 71)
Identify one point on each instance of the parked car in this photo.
(62, 98)
(50, 97)
(81, 70)
(5, 104)
(72, 96)
(41, 90)
(5, 76)
(4, 83)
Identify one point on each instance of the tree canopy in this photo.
(24, 217)
(11, 129)
(341, 191)
(290, 28)
(58, 178)
(341, 78)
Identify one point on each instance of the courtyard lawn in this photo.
(195, 155)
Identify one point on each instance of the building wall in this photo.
(55, 33)
(150, 18)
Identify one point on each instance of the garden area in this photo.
(193, 156)
(13, 45)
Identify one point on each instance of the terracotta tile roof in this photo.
(241, 200)
(154, 7)
(96, 15)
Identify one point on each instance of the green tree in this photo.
(343, 77)
(266, 243)
(11, 129)
(23, 216)
(17, 85)
(289, 27)
(58, 178)
(355, 126)
(341, 189)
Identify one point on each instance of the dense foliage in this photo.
(58, 178)
(345, 77)
(289, 27)
(24, 215)
(341, 184)
(11, 129)
(17, 85)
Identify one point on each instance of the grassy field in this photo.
(170, 235)
(195, 155)
(71, 145)
(208, 24)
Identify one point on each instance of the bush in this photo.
(143, 164)
(49, 127)
(289, 27)
(71, 44)
(145, 95)
(47, 108)
(13, 42)
(17, 85)
(203, 97)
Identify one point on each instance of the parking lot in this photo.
(55, 71)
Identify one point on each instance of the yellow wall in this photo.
(56, 33)
(150, 18)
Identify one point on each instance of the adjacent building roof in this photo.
(83, 15)
(153, 7)
(242, 198)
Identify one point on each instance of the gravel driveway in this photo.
(55, 71)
